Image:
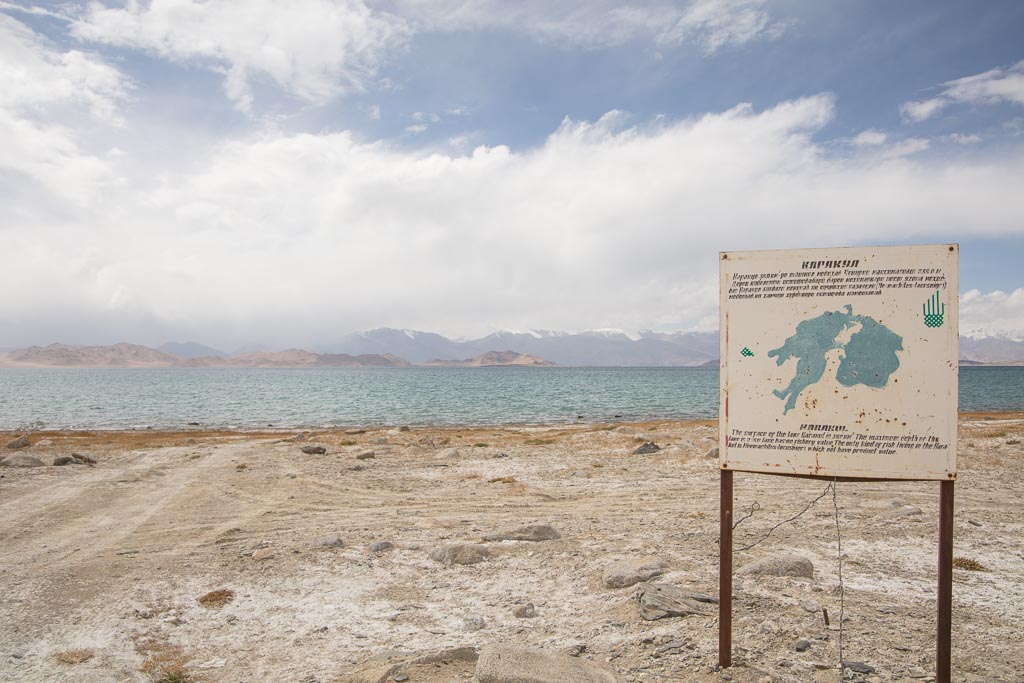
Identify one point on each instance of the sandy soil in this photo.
(106, 563)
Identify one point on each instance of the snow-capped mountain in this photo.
(601, 347)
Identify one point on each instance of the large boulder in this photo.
(460, 553)
(780, 564)
(517, 664)
(661, 600)
(20, 442)
(22, 460)
(532, 532)
(624, 573)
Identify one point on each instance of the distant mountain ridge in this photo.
(389, 347)
(494, 358)
(588, 348)
(136, 356)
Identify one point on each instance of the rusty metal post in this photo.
(725, 571)
(944, 630)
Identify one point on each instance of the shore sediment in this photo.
(237, 556)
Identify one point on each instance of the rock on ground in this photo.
(314, 450)
(331, 541)
(20, 442)
(646, 447)
(531, 532)
(780, 564)
(623, 573)
(449, 453)
(21, 460)
(661, 600)
(61, 460)
(516, 664)
(460, 553)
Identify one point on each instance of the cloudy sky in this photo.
(282, 172)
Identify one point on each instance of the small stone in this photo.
(449, 453)
(401, 678)
(531, 532)
(263, 554)
(22, 460)
(576, 649)
(646, 447)
(780, 564)
(624, 573)
(859, 667)
(44, 443)
(332, 541)
(381, 546)
(473, 623)
(84, 458)
(460, 553)
(366, 455)
(810, 606)
(661, 600)
(713, 453)
(62, 460)
(353, 432)
(527, 611)
(802, 645)
(19, 442)
(314, 450)
(403, 428)
(508, 663)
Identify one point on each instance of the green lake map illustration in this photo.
(869, 356)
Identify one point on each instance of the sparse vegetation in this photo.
(216, 599)
(480, 445)
(72, 657)
(969, 564)
(540, 442)
(347, 442)
(164, 662)
(502, 480)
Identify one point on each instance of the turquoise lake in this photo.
(248, 398)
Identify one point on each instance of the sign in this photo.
(840, 362)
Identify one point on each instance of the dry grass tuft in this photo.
(969, 564)
(164, 662)
(216, 599)
(74, 656)
(540, 442)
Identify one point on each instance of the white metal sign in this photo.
(840, 362)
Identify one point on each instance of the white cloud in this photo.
(305, 237)
(319, 49)
(314, 49)
(993, 313)
(43, 94)
(999, 85)
(711, 24)
(416, 129)
(870, 138)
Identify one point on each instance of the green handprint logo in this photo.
(934, 312)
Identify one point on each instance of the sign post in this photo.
(840, 364)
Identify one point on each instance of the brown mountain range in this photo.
(136, 356)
